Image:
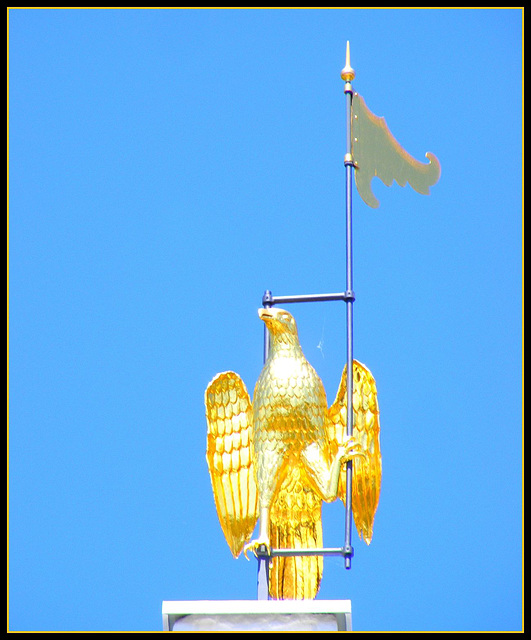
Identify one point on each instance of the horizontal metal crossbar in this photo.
(269, 299)
(262, 552)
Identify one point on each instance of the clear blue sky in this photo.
(168, 166)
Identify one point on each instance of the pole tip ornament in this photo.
(347, 73)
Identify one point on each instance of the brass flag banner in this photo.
(373, 150)
(377, 153)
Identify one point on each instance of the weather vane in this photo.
(275, 459)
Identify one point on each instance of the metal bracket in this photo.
(263, 553)
(268, 300)
(264, 556)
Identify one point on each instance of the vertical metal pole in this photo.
(263, 560)
(263, 578)
(267, 299)
(347, 74)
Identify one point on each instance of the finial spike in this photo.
(347, 73)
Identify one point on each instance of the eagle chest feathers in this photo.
(289, 404)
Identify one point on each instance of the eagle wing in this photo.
(230, 457)
(366, 471)
(377, 153)
(295, 523)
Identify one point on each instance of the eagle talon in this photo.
(255, 545)
(352, 450)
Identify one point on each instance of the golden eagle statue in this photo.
(280, 456)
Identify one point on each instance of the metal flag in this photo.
(375, 151)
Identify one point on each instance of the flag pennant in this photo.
(377, 153)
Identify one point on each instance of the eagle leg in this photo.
(325, 473)
(269, 465)
(263, 535)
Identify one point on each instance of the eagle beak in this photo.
(265, 314)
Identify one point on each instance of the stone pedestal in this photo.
(256, 615)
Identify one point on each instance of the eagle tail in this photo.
(295, 523)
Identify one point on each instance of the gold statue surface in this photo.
(276, 459)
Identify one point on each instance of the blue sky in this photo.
(168, 166)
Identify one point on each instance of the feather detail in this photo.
(230, 457)
(366, 471)
(295, 523)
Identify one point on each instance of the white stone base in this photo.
(256, 615)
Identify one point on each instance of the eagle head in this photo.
(281, 325)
